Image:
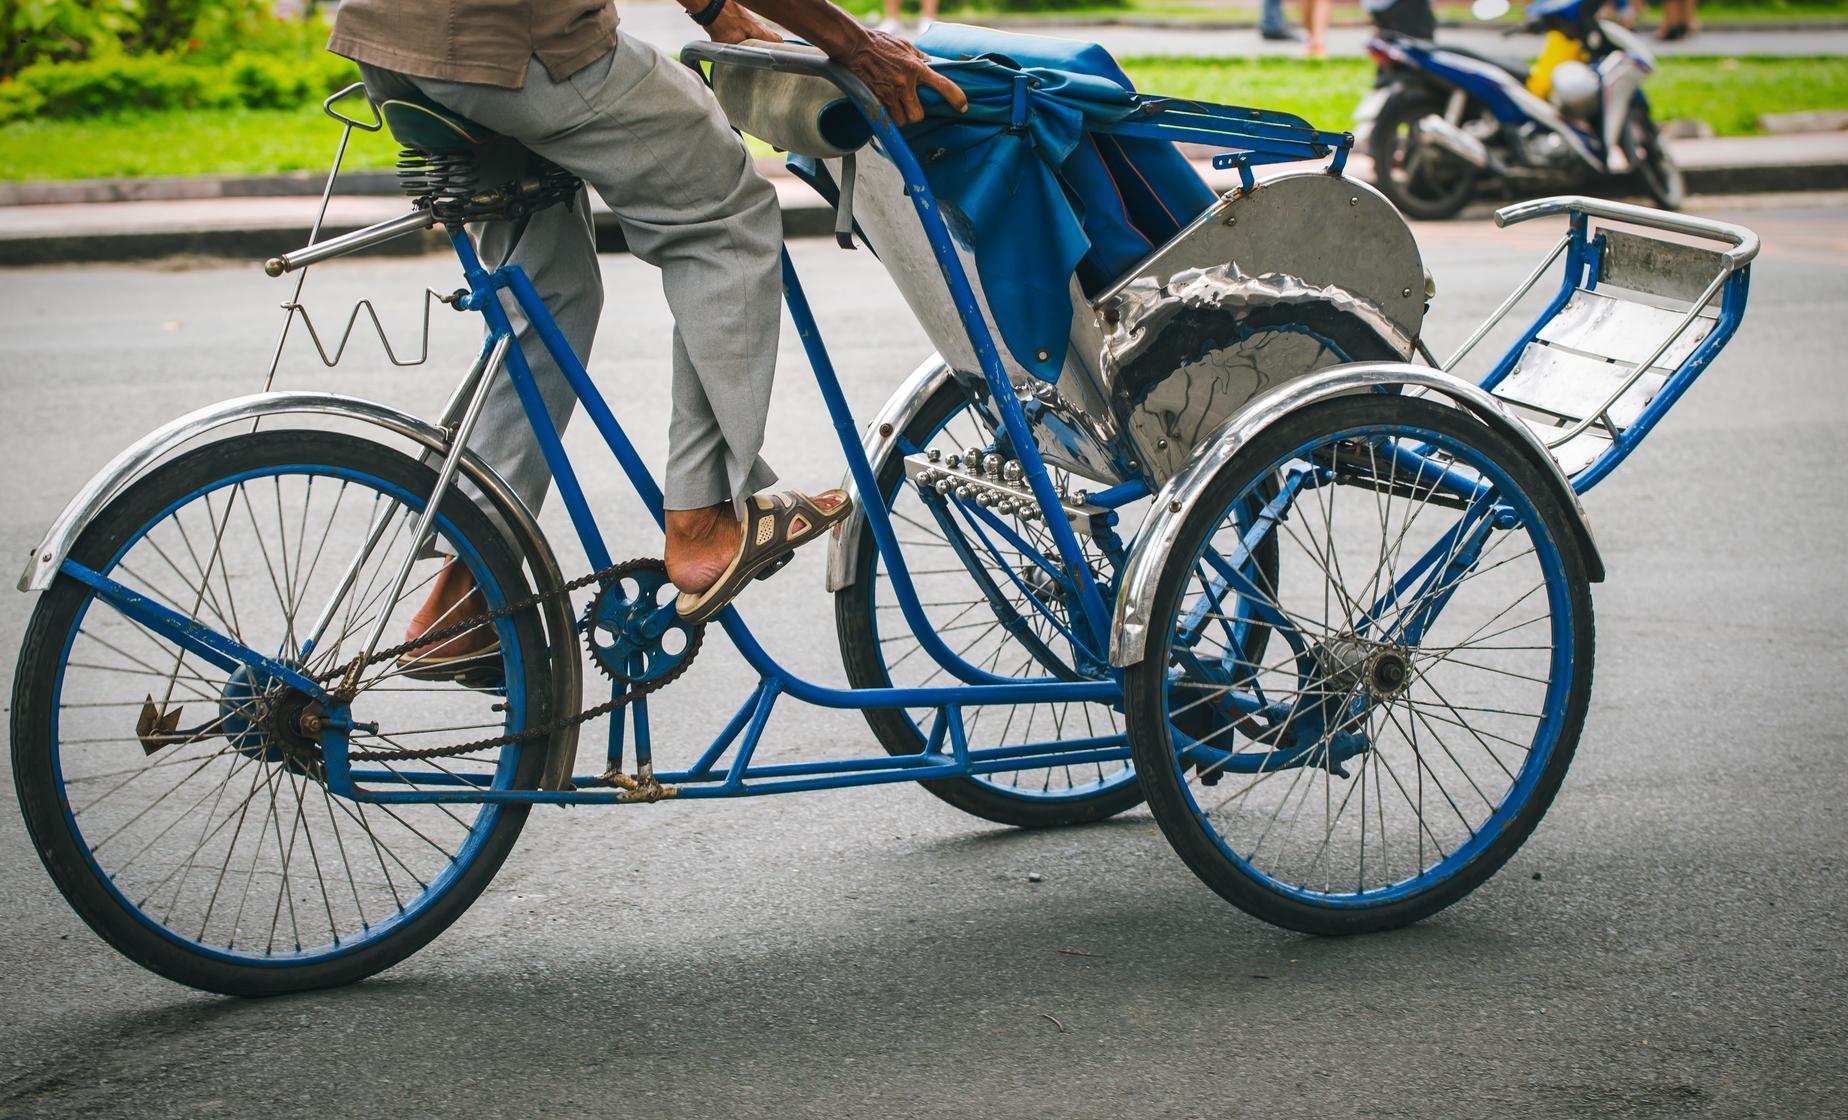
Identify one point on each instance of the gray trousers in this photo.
(644, 133)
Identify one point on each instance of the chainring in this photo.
(634, 637)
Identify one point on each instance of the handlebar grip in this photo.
(766, 56)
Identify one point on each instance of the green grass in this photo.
(1728, 93)
(183, 142)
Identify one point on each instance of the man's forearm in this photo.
(817, 21)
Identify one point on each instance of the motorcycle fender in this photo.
(1149, 553)
(1368, 112)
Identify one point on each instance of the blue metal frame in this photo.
(1089, 615)
(1583, 252)
(1266, 137)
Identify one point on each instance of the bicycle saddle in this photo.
(463, 171)
(420, 123)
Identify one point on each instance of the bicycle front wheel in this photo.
(178, 806)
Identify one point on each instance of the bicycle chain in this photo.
(349, 674)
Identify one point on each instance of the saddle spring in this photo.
(448, 183)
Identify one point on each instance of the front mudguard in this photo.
(1148, 554)
(566, 692)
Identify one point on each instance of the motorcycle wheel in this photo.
(1421, 179)
(1657, 171)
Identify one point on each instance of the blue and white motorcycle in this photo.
(1444, 120)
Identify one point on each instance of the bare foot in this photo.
(453, 597)
(700, 545)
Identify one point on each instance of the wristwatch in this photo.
(706, 15)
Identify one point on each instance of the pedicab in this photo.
(1181, 511)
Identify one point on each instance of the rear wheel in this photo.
(1423, 180)
(181, 808)
(1425, 684)
(1655, 168)
(968, 586)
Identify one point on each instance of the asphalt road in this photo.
(1671, 942)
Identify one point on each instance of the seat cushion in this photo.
(418, 122)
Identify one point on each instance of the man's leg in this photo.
(557, 248)
(1271, 21)
(558, 251)
(644, 132)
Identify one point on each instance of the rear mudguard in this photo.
(1149, 553)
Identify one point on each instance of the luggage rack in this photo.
(1635, 321)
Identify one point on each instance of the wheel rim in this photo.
(1424, 173)
(958, 604)
(232, 847)
(1661, 175)
(1442, 749)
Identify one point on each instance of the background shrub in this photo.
(173, 54)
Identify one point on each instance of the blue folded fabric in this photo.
(1038, 199)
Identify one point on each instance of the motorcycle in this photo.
(1444, 119)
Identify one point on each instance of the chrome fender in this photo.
(1155, 539)
(560, 626)
(881, 436)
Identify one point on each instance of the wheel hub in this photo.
(1380, 670)
(269, 721)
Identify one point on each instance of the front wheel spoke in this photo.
(1489, 802)
(1425, 768)
(1416, 805)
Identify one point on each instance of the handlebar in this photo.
(1743, 241)
(789, 61)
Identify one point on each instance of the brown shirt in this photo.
(488, 42)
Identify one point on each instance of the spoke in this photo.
(1425, 768)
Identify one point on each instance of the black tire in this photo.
(1655, 169)
(865, 660)
(37, 756)
(1148, 687)
(1423, 181)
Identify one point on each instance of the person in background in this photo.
(927, 15)
(1272, 24)
(1413, 18)
(1677, 20)
(1315, 21)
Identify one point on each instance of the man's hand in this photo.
(736, 24)
(894, 69)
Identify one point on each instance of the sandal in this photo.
(774, 527)
(478, 668)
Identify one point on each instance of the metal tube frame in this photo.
(1091, 623)
(1581, 247)
(947, 754)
